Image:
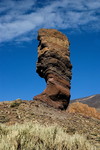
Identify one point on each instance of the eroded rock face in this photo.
(55, 67)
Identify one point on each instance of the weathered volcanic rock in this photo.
(55, 67)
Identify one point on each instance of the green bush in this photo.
(16, 103)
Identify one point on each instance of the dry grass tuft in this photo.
(31, 136)
(83, 109)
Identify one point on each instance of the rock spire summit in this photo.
(55, 67)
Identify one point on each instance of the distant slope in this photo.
(92, 101)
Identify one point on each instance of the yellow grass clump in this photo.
(33, 136)
(83, 109)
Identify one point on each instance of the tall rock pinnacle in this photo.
(55, 67)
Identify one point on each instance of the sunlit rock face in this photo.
(55, 67)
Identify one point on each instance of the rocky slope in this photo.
(19, 111)
(92, 101)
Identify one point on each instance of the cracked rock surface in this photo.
(55, 67)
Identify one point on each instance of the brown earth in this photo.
(19, 111)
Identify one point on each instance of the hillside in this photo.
(21, 111)
(92, 101)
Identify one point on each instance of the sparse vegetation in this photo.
(3, 119)
(35, 111)
(84, 109)
(16, 103)
(29, 136)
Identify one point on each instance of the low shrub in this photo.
(29, 136)
(16, 103)
(83, 109)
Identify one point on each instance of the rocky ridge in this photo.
(91, 101)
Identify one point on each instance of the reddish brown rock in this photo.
(54, 66)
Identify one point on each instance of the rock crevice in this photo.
(55, 67)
